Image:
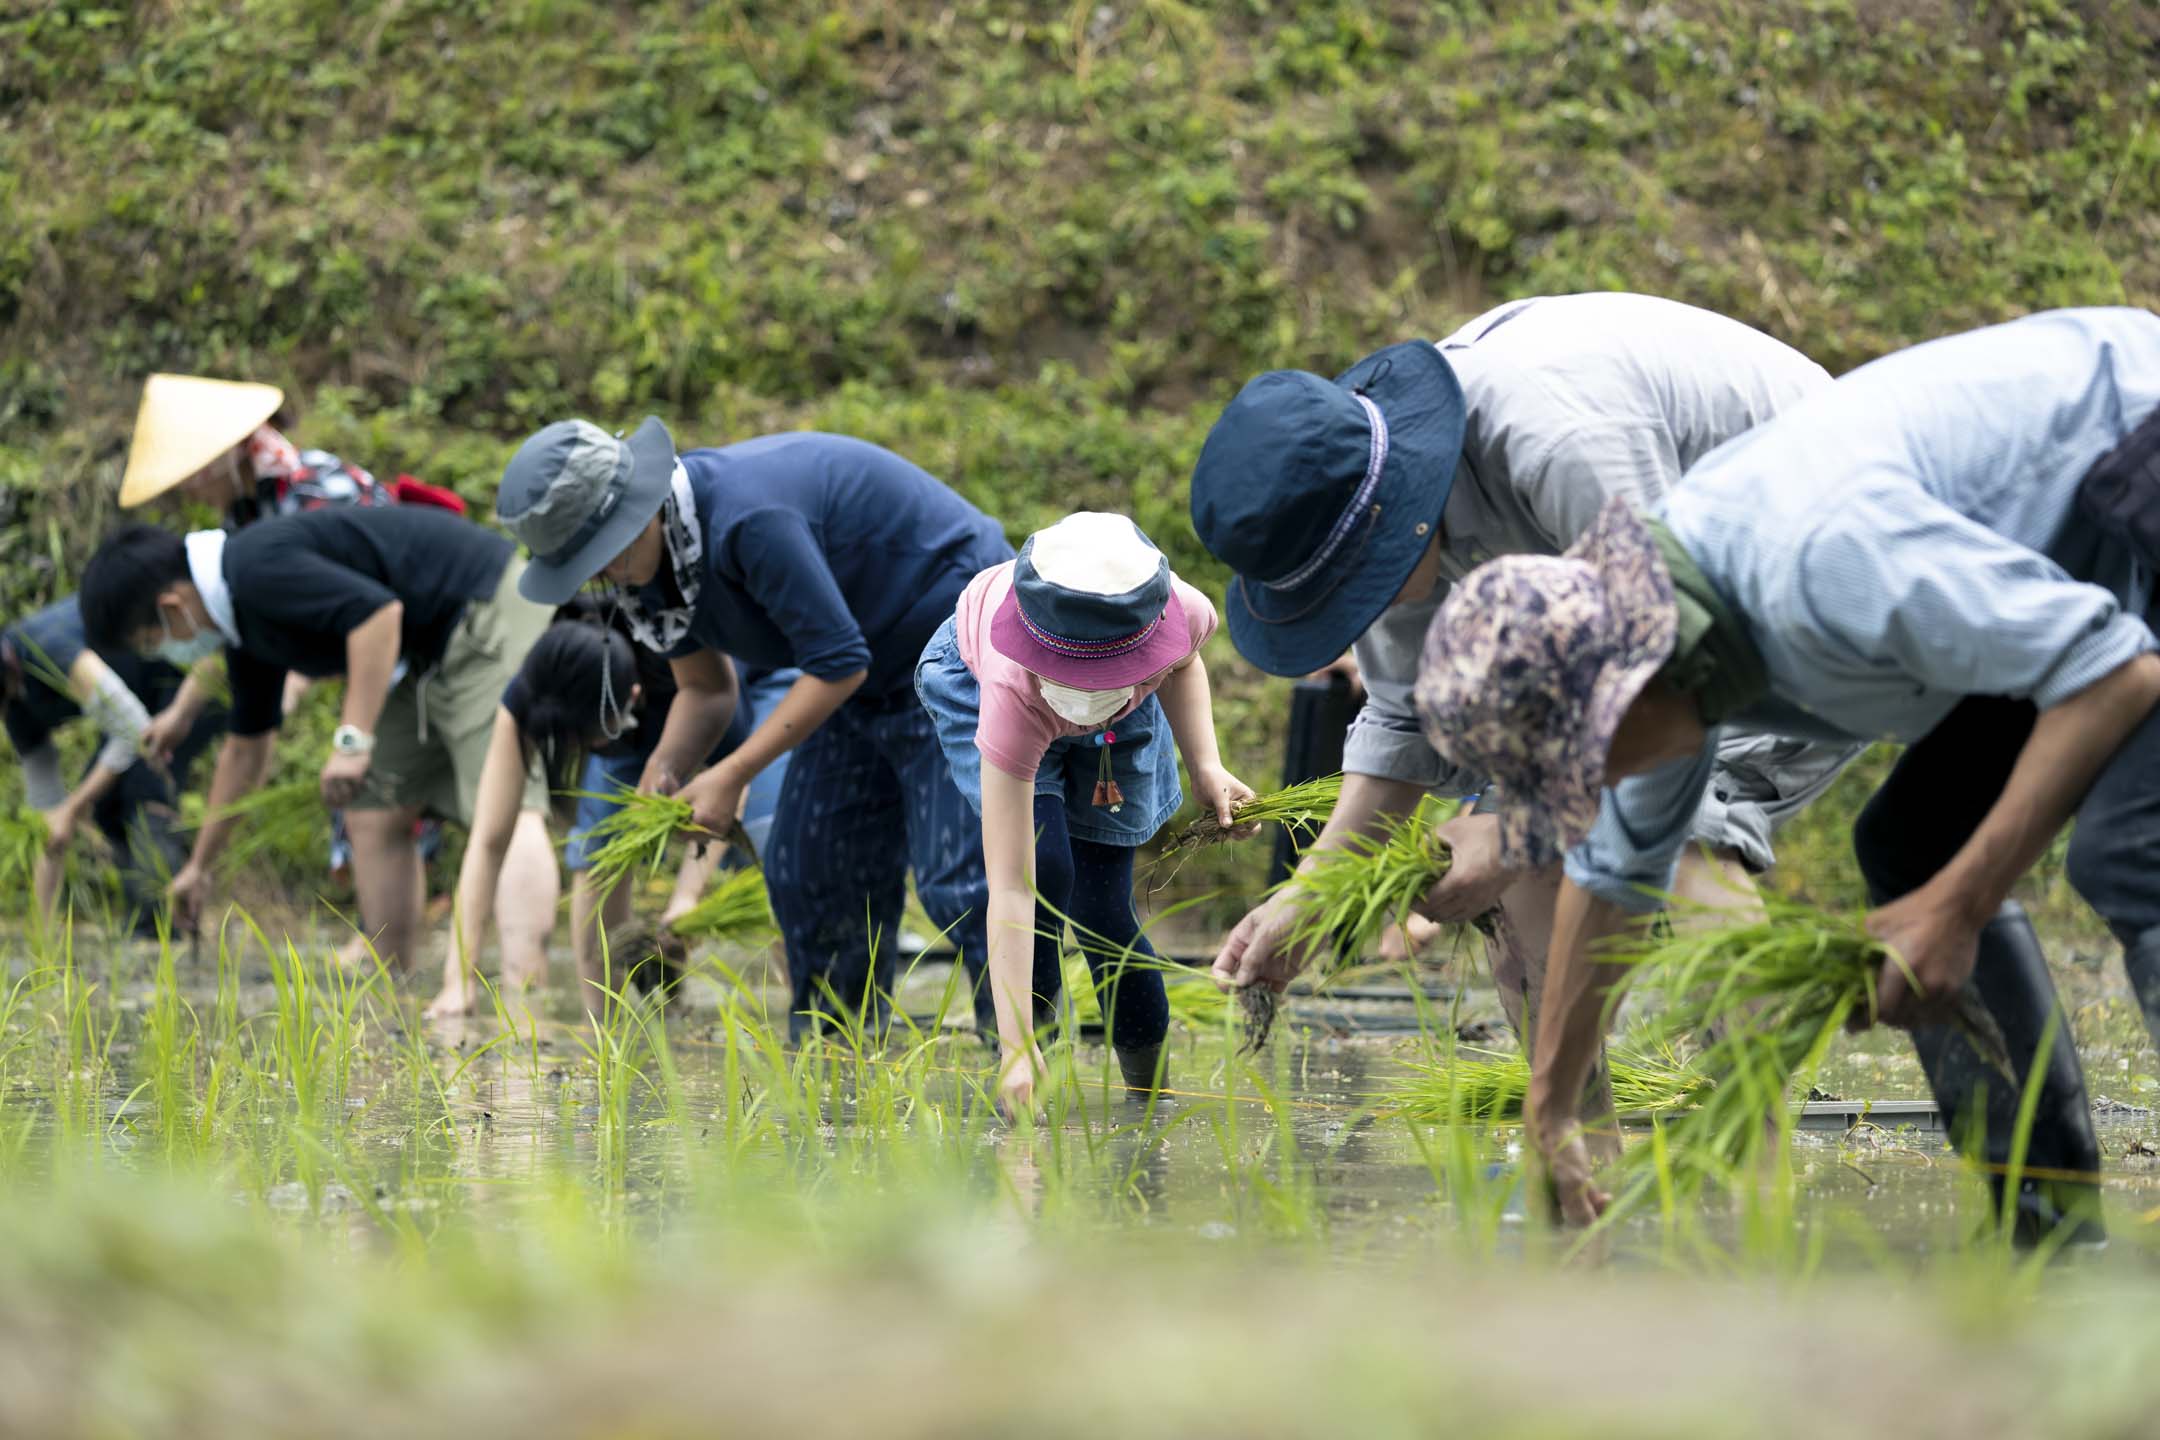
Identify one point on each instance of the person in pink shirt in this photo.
(1064, 688)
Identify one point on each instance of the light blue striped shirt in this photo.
(1905, 538)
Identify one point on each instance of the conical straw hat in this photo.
(186, 422)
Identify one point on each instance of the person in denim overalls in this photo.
(1058, 687)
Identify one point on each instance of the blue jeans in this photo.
(1143, 761)
(869, 797)
(604, 772)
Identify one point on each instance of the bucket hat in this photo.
(184, 423)
(1529, 665)
(576, 497)
(1091, 605)
(1322, 495)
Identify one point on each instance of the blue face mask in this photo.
(183, 654)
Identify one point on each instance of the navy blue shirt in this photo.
(44, 647)
(828, 554)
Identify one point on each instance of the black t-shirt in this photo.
(45, 647)
(302, 583)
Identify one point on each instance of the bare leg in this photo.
(587, 915)
(387, 875)
(1716, 880)
(525, 897)
(51, 871)
(690, 881)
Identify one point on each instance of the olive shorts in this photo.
(432, 740)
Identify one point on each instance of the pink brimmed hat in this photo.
(1092, 605)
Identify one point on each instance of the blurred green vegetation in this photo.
(1031, 246)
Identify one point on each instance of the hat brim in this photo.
(652, 468)
(1169, 645)
(184, 422)
(1539, 826)
(1297, 632)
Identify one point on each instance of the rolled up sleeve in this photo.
(1642, 825)
(1385, 740)
(1904, 579)
(785, 571)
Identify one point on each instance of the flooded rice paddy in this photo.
(317, 1095)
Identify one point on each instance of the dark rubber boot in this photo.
(1980, 1107)
(1143, 1067)
(2141, 957)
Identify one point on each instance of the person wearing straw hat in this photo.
(1347, 508)
(818, 552)
(1952, 546)
(220, 443)
(1064, 687)
(418, 610)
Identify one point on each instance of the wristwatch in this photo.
(351, 740)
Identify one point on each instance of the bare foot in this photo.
(451, 1004)
(356, 954)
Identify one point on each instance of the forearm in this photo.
(240, 765)
(478, 876)
(193, 696)
(1010, 931)
(2067, 749)
(1571, 1010)
(695, 723)
(808, 704)
(95, 787)
(1188, 704)
(371, 657)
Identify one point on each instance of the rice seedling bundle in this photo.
(1345, 898)
(1304, 807)
(1194, 1000)
(1764, 999)
(22, 841)
(278, 821)
(737, 909)
(1489, 1085)
(635, 836)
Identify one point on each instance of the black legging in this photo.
(1091, 885)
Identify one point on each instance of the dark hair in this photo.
(121, 583)
(561, 685)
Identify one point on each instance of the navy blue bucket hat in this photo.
(1322, 495)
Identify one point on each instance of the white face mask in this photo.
(1083, 707)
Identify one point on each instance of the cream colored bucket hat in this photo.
(185, 423)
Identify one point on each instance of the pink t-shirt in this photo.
(1015, 728)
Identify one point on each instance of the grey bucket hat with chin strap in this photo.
(576, 497)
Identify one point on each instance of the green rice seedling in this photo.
(1767, 998)
(1303, 807)
(22, 841)
(280, 821)
(737, 909)
(1345, 898)
(635, 836)
(1489, 1085)
(1194, 1000)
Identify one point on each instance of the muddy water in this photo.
(1299, 1147)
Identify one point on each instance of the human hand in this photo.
(659, 779)
(715, 799)
(1933, 941)
(341, 777)
(162, 736)
(1475, 879)
(60, 823)
(1259, 949)
(1221, 792)
(1564, 1161)
(1024, 1069)
(189, 894)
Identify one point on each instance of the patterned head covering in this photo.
(1529, 665)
